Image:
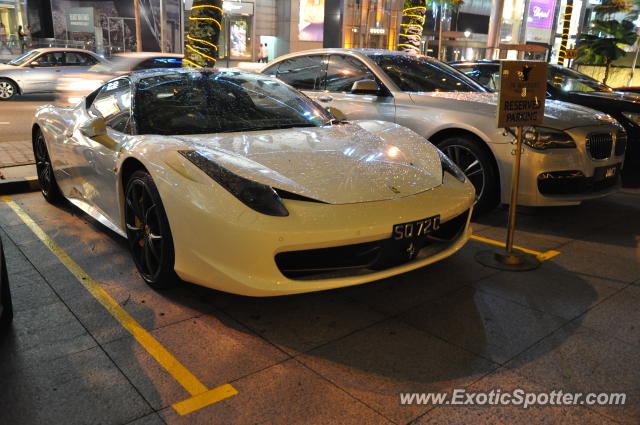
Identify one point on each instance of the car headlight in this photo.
(634, 117)
(257, 196)
(450, 167)
(542, 138)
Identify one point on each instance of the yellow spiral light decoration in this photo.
(204, 27)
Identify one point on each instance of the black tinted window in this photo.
(78, 59)
(159, 63)
(343, 71)
(113, 103)
(213, 102)
(301, 72)
(419, 74)
(487, 75)
(51, 59)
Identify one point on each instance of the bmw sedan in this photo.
(238, 182)
(576, 154)
(38, 71)
(572, 86)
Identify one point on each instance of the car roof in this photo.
(136, 76)
(64, 49)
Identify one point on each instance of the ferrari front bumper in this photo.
(222, 244)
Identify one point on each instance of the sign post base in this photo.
(514, 261)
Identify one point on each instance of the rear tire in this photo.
(148, 231)
(477, 164)
(8, 89)
(44, 168)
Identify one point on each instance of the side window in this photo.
(301, 72)
(490, 77)
(273, 69)
(51, 59)
(159, 63)
(78, 59)
(343, 71)
(113, 103)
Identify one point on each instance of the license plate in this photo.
(416, 229)
(606, 172)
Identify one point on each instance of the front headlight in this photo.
(257, 196)
(542, 138)
(450, 167)
(634, 117)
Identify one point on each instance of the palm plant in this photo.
(413, 17)
(203, 33)
(596, 50)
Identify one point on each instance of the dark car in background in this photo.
(6, 310)
(572, 86)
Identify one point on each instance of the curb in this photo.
(11, 187)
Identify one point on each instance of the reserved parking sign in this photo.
(523, 89)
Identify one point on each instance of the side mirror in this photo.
(33, 64)
(94, 128)
(340, 116)
(365, 87)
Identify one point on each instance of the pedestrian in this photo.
(260, 53)
(21, 36)
(265, 55)
(29, 37)
(3, 37)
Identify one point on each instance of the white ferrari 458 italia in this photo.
(238, 182)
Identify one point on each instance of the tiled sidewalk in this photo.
(15, 153)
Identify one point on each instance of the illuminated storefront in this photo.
(372, 23)
(12, 15)
(236, 39)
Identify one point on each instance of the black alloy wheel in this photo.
(44, 169)
(475, 162)
(148, 231)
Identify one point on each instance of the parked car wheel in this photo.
(476, 163)
(6, 309)
(148, 231)
(8, 89)
(46, 178)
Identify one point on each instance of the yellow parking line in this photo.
(201, 395)
(541, 256)
(201, 400)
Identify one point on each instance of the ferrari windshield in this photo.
(199, 102)
(21, 60)
(420, 74)
(573, 81)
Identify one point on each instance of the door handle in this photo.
(325, 98)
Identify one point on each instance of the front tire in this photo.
(477, 164)
(148, 231)
(8, 89)
(44, 168)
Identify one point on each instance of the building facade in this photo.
(265, 29)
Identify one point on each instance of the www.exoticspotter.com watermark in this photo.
(515, 397)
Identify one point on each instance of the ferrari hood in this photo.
(557, 115)
(340, 164)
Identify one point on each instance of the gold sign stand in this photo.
(520, 103)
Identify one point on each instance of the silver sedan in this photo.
(37, 71)
(576, 154)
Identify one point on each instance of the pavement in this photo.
(17, 169)
(91, 343)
